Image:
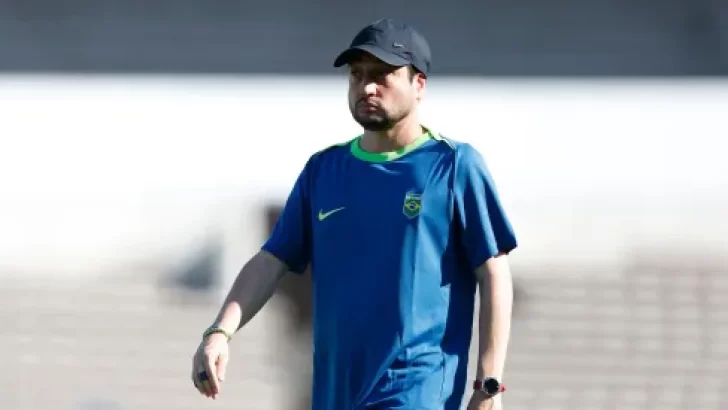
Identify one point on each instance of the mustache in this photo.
(368, 101)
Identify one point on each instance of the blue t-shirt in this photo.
(393, 240)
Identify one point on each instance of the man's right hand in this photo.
(208, 364)
(253, 287)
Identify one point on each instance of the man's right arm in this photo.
(287, 249)
(254, 286)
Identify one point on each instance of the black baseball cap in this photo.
(394, 42)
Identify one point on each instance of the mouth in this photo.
(368, 105)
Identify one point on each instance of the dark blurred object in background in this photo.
(295, 293)
(492, 38)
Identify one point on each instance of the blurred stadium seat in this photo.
(653, 340)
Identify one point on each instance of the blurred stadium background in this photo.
(146, 148)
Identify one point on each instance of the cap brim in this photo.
(379, 53)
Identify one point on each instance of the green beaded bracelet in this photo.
(216, 329)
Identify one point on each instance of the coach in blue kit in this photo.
(400, 225)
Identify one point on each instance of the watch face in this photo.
(491, 386)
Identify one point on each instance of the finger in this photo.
(199, 376)
(211, 371)
(204, 382)
(196, 376)
(196, 383)
(222, 362)
(194, 379)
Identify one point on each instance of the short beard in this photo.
(381, 121)
(375, 123)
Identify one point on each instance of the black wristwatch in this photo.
(489, 385)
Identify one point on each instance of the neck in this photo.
(399, 136)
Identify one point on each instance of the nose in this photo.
(370, 88)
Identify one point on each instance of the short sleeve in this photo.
(290, 240)
(485, 228)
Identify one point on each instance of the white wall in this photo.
(102, 173)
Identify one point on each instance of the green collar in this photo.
(391, 155)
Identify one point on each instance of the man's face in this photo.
(381, 95)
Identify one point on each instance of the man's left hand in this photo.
(479, 401)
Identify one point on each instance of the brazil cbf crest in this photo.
(412, 205)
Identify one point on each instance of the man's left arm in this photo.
(495, 287)
(487, 237)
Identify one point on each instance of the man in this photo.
(399, 226)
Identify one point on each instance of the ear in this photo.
(420, 82)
